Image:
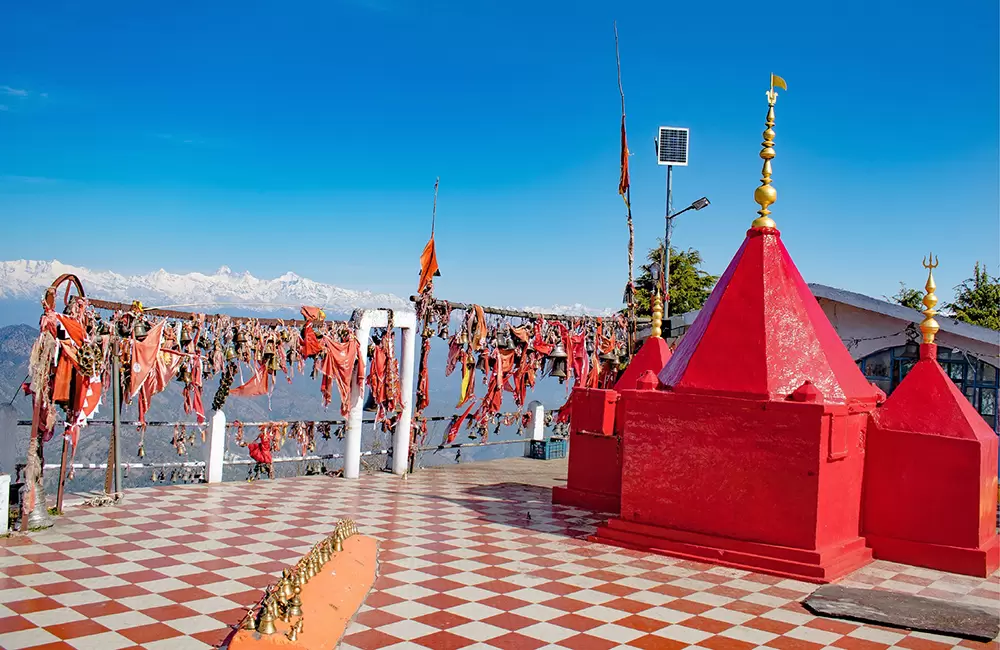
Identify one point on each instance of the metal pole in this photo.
(666, 244)
(116, 391)
(62, 474)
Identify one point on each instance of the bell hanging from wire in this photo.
(609, 358)
(240, 339)
(184, 375)
(483, 365)
(273, 363)
(140, 330)
(185, 336)
(558, 358)
(230, 353)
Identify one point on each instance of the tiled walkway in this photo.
(473, 556)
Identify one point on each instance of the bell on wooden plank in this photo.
(370, 404)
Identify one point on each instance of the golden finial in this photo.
(766, 195)
(929, 327)
(657, 330)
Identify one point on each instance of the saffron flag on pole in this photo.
(778, 81)
(428, 259)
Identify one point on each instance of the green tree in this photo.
(690, 286)
(907, 297)
(977, 300)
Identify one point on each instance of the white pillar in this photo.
(215, 448)
(537, 420)
(352, 441)
(4, 503)
(401, 437)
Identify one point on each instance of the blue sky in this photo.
(306, 136)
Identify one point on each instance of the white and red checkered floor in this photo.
(473, 556)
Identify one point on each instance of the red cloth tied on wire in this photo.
(309, 345)
(165, 366)
(192, 391)
(256, 386)
(340, 365)
(260, 450)
(456, 423)
(144, 355)
(423, 383)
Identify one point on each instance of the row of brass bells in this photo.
(558, 357)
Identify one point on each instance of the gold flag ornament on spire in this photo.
(766, 195)
(929, 327)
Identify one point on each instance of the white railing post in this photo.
(4, 503)
(352, 441)
(537, 420)
(215, 448)
(401, 436)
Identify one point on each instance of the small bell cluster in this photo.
(283, 601)
(178, 476)
(225, 383)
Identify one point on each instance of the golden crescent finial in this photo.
(929, 327)
(766, 195)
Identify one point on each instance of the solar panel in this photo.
(672, 146)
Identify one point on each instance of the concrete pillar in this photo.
(407, 322)
(215, 448)
(4, 503)
(352, 441)
(537, 420)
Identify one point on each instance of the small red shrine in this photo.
(931, 470)
(751, 454)
(594, 477)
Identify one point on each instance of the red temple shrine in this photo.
(751, 450)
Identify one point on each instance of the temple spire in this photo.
(929, 327)
(766, 195)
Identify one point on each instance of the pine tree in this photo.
(977, 299)
(907, 297)
(690, 286)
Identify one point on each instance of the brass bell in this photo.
(140, 330)
(558, 358)
(428, 332)
(273, 363)
(230, 353)
(240, 339)
(483, 365)
(184, 376)
(370, 404)
(608, 357)
(185, 336)
(463, 339)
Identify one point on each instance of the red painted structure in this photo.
(931, 477)
(752, 453)
(594, 477)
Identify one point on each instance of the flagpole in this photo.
(627, 195)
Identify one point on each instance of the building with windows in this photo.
(884, 339)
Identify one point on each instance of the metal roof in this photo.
(893, 310)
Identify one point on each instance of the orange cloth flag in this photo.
(428, 265)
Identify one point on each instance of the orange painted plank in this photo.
(329, 601)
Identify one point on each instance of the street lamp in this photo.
(703, 202)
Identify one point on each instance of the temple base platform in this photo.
(980, 562)
(585, 499)
(819, 566)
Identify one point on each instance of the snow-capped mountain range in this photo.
(27, 280)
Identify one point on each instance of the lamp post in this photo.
(697, 205)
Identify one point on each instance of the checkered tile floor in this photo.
(473, 556)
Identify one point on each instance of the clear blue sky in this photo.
(306, 136)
